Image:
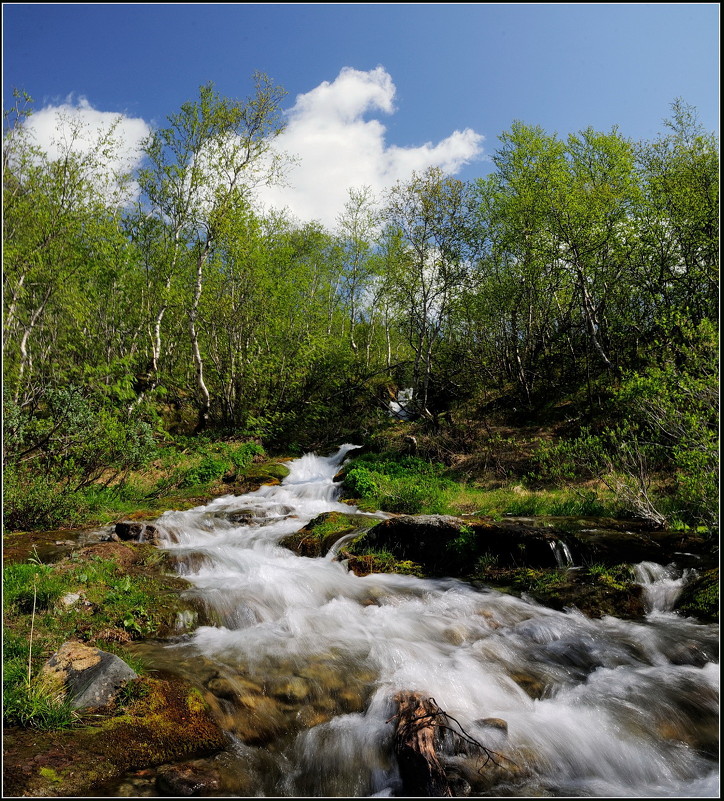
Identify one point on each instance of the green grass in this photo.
(116, 605)
(410, 485)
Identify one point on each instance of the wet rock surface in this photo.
(444, 544)
(187, 779)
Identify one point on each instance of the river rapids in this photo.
(304, 658)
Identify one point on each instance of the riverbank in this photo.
(81, 585)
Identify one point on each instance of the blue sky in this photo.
(416, 73)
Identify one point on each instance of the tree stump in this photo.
(415, 743)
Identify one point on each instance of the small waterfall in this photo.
(562, 553)
(305, 658)
(661, 585)
(399, 408)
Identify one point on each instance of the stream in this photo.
(301, 661)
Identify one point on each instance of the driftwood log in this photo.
(421, 731)
(415, 747)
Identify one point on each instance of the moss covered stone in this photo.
(700, 598)
(321, 533)
(166, 721)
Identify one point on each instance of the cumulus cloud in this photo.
(338, 148)
(75, 126)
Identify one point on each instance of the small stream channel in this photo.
(304, 658)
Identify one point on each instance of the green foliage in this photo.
(406, 485)
(209, 469)
(380, 560)
(28, 585)
(57, 449)
(359, 483)
(464, 543)
(217, 459)
(485, 562)
(663, 421)
(584, 267)
(33, 502)
(537, 580)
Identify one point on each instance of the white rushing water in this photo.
(661, 584)
(593, 707)
(401, 406)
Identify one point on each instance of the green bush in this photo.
(360, 483)
(405, 485)
(32, 502)
(209, 469)
(69, 442)
(243, 455)
(414, 495)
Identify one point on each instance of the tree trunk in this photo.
(204, 398)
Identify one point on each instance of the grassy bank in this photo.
(414, 485)
(182, 473)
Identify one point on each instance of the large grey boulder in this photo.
(91, 677)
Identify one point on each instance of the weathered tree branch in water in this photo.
(416, 741)
(420, 769)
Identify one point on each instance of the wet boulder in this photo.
(322, 532)
(448, 545)
(137, 531)
(187, 779)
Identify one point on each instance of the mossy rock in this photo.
(266, 471)
(321, 533)
(166, 720)
(363, 564)
(561, 588)
(445, 545)
(700, 598)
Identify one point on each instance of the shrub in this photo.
(33, 502)
(360, 483)
(209, 469)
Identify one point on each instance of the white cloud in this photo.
(338, 148)
(78, 127)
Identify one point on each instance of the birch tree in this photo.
(202, 167)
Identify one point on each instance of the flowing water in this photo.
(304, 660)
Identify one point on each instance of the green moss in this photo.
(262, 473)
(700, 598)
(321, 533)
(195, 701)
(50, 775)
